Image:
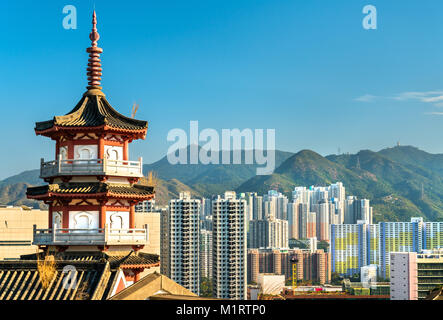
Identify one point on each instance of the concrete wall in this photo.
(16, 231)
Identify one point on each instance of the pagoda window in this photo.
(83, 220)
(118, 219)
(113, 152)
(85, 152)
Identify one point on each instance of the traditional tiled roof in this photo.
(90, 188)
(20, 280)
(151, 285)
(134, 260)
(96, 275)
(116, 259)
(93, 110)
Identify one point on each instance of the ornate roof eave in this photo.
(140, 266)
(108, 195)
(59, 130)
(91, 191)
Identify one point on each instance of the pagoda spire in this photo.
(94, 66)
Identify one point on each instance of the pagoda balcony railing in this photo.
(100, 236)
(79, 167)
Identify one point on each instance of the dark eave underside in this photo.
(90, 188)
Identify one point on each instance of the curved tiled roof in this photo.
(91, 188)
(118, 259)
(20, 280)
(93, 110)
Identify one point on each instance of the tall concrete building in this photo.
(433, 235)
(16, 230)
(206, 253)
(311, 225)
(268, 234)
(403, 276)
(303, 213)
(348, 248)
(145, 206)
(184, 242)
(357, 210)
(357, 245)
(229, 247)
(293, 221)
(322, 219)
(311, 266)
(206, 208)
(257, 207)
(398, 237)
(275, 205)
(257, 234)
(164, 242)
(415, 275)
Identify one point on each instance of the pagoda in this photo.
(92, 184)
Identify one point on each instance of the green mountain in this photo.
(409, 155)
(15, 194)
(212, 178)
(394, 188)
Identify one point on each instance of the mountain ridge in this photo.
(401, 182)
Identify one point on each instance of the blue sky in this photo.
(307, 69)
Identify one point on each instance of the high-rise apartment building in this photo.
(322, 219)
(206, 208)
(293, 221)
(348, 248)
(257, 234)
(434, 235)
(357, 210)
(415, 275)
(164, 242)
(311, 225)
(257, 207)
(303, 212)
(268, 234)
(206, 253)
(184, 242)
(356, 245)
(145, 206)
(229, 247)
(311, 265)
(403, 275)
(398, 237)
(275, 205)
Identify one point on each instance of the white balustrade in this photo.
(91, 167)
(100, 236)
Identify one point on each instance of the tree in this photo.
(336, 278)
(323, 245)
(206, 287)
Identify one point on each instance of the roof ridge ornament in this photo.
(94, 64)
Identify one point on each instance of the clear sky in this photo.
(307, 69)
